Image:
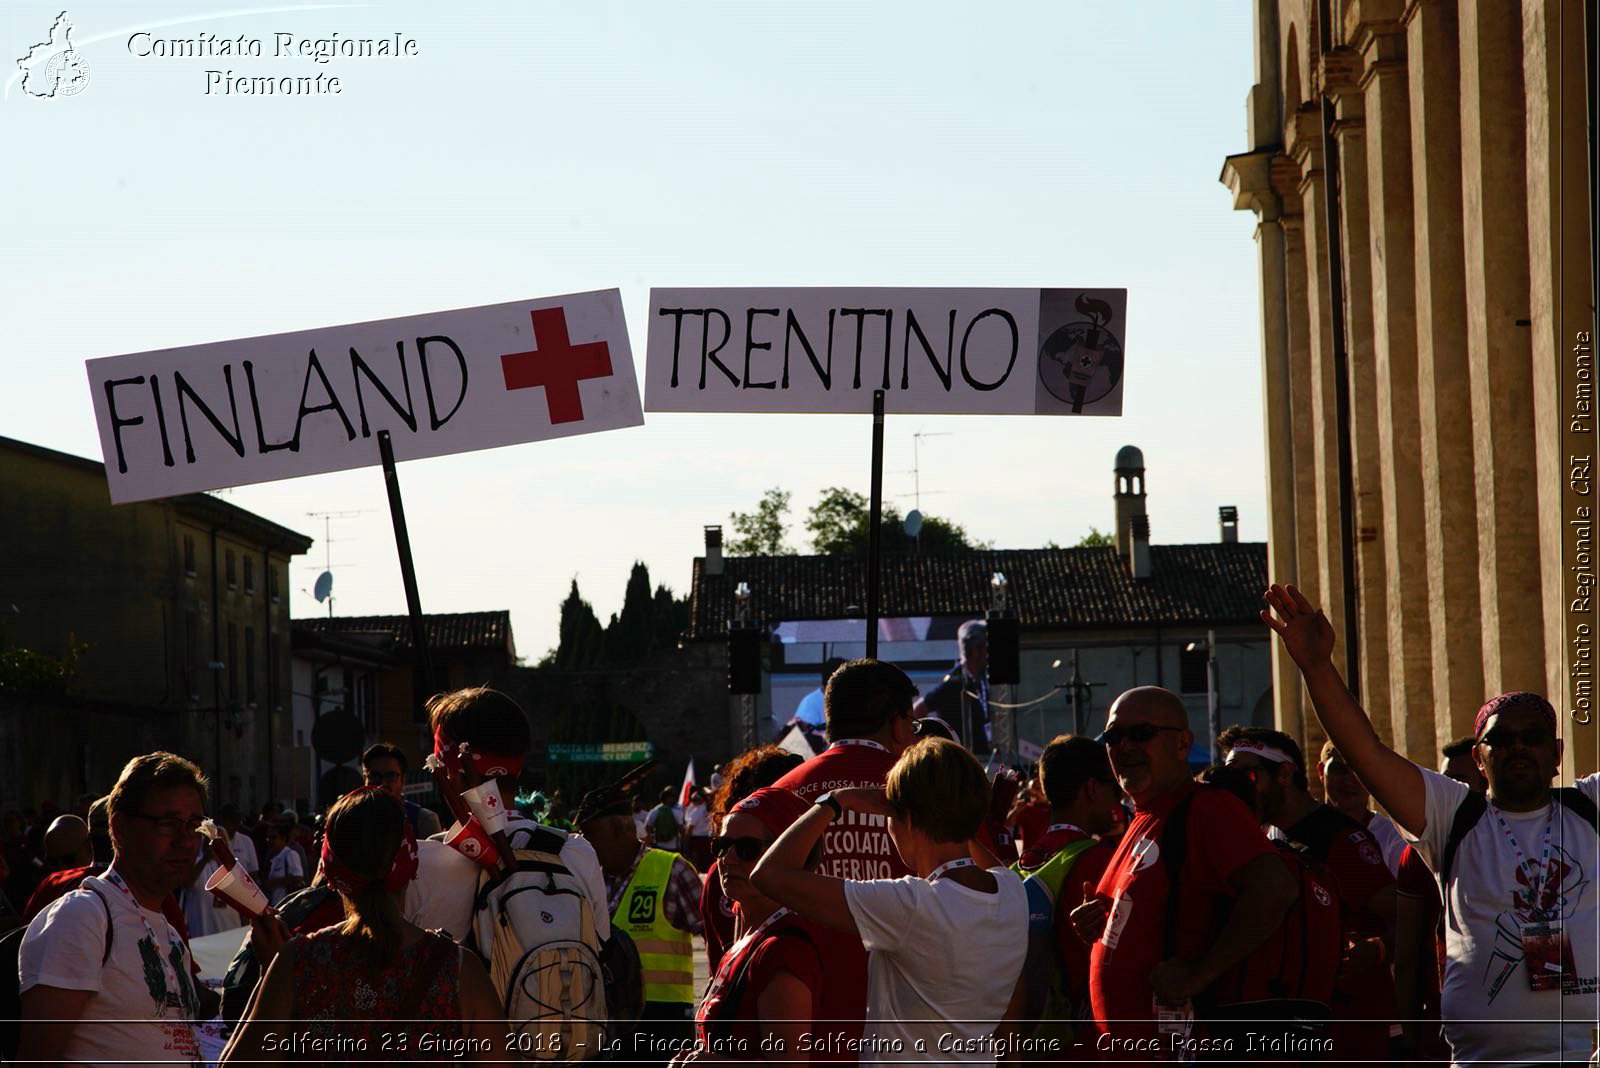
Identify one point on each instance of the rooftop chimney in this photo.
(1229, 517)
(1139, 550)
(713, 550)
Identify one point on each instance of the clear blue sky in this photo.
(537, 149)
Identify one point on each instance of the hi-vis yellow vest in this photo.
(666, 954)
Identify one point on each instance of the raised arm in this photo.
(1308, 638)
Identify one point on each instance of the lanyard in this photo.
(731, 954)
(1535, 890)
(116, 880)
(868, 742)
(951, 865)
(1054, 827)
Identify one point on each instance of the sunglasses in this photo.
(1139, 733)
(1505, 737)
(744, 847)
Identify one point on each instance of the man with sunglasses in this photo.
(105, 977)
(1191, 855)
(1517, 868)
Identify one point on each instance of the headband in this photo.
(401, 871)
(486, 764)
(1260, 749)
(1508, 701)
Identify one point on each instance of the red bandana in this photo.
(486, 764)
(401, 871)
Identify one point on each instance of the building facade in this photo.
(174, 615)
(1461, 280)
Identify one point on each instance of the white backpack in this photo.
(535, 930)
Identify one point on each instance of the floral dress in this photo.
(350, 1008)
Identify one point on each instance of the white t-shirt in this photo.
(244, 851)
(64, 947)
(697, 821)
(1485, 908)
(441, 896)
(943, 962)
(1383, 829)
(286, 863)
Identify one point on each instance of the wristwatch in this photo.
(832, 802)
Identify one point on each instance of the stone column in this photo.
(1558, 260)
(1379, 37)
(1449, 491)
(1339, 75)
(1494, 209)
(1305, 147)
(1249, 177)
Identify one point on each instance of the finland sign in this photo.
(259, 409)
(932, 351)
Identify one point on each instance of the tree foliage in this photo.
(27, 671)
(1095, 538)
(761, 532)
(838, 524)
(648, 623)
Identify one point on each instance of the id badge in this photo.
(1547, 954)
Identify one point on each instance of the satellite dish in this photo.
(324, 587)
(913, 523)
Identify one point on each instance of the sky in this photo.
(536, 149)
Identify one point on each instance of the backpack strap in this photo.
(1468, 813)
(734, 991)
(1578, 802)
(110, 925)
(1174, 847)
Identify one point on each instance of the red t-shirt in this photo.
(1222, 838)
(716, 914)
(1300, 957)
(1415, 880)
(737, 1025)
(1072, 956)
(1033, 819)
(1355, 862)
(856, 847)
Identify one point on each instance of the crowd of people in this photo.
(889, 899)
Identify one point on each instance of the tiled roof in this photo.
(1215, 583)
(455, 630)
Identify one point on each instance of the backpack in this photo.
(1057, 1015)
(11, 981)
(666, 824)
(297, 911)
(534, 928)
(1471, 810)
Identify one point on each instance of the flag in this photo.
(688, 785)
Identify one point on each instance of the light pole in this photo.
(1213, 690)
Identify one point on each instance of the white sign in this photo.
(932, 351)
(259, 409)
(1029, 751)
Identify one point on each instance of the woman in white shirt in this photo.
(946, 944)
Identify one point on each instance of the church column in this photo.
(1449, 496)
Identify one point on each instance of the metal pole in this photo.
(1213, 696)
(874, 522)
(1341, 370)
(1077, 696)
(421, 670)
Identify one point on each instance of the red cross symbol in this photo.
(557, 365)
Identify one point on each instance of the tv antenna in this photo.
(322, 590)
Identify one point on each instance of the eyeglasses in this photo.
(375, 777)
(746, 848)
(171, 826)
(1505, 737)
(1139, 733)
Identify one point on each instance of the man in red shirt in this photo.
(1363, 994)
(868, 708)
(1153, 952)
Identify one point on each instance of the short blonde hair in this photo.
(941, 788)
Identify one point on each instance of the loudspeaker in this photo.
(1005, 668)
(744, 658)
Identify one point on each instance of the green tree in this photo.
(1095, 538)
(581, 639)
(838, 524)
(761, 532)
(630, 635)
